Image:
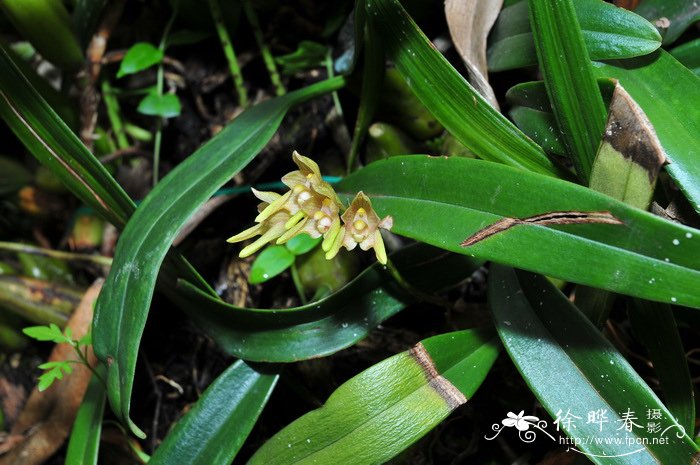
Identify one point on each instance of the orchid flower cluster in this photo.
(312, 207)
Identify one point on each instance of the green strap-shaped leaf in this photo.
(444, 201)
(655, 327)
(122, 308)
(448, 96)
(541, 127)
(33, 18)
(213, 431)
(672, 16)
(609, 32)
(55, 145)
(380, 412)
(689, 55)
(673, 109)
(51, 142)
(84, 441)
(333, 323)
(568, 78)
(549, 340)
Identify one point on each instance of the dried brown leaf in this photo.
(48, 416)
(469, 22)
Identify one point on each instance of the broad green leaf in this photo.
(444, 201)
(139, 57)
(269, 263)
(672, 17)
(655, 327)
(302, 243)
(47, 25)
(674, 111)
(165, 105)
(608, 32)
(545, 334)
(457, 105)
(568, 77)
(689, 55)
(46, 333)
(214, 429)
(84, 441)
(541, 127)
(334, 322)
(122, 307)
(380, 412)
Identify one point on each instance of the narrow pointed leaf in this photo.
(51, 142)
(655, 327)
(213, 431)
(380, 412)
(122, 308)
(84, 441)
(445, 201)
(456, 104)
(568, 76)
(608, 33)
(545, 334)
(334, 322)
(674, 111)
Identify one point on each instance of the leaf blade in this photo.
(213, 431)
(569, 345)
(122, 308)
(428, 202)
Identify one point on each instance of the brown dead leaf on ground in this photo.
(48, 416)
(469, 23)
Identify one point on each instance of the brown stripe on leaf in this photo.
(422, 356)
(452, 396)
(630, 132)
(546, 219)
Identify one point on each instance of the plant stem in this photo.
(264, 49)
(84, 361)
(334, 94)
(229, 52)
(297, 283)
(159, 90)
(68, 256)
(112, 106)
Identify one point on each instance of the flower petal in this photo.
(379, 249)
(247, 234)
(273, 208)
